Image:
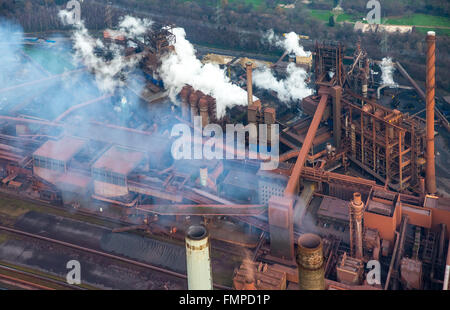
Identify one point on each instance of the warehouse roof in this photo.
(63, 149)
(119, 160)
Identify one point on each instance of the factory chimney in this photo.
(249, 68)
(184, 94)
(193, 99)
(356, 216)
(198, 259)
(430, 167)
(311, 273)
(203, 107)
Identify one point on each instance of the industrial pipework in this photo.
(311, 273)
(198, 258)
(431, 70)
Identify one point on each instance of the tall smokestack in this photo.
(311, 273)
(431, 70)
(203, 107)
(356, 215)
(249, 68)
(198, 259)
(193, 99)
(184, 94)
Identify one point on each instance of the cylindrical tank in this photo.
(311, 273)
(198, 258)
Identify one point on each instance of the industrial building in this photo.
(356, 180)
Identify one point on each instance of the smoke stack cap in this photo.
(197, 232)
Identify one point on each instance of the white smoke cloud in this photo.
(106, 72)
(387, 71)
(290, 89)
(182, 67)
(289, 42)
(134, 27)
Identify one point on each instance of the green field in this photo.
(420, 20)
(324, 15)
(439, 32)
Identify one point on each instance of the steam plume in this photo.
(134, 27)
(182, 67)
(290, 89)
(387, 71)
(106, 72)
(289, 43)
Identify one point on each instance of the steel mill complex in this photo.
(355, 200)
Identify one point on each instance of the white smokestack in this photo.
(198, 259)
(182, 67)
(387, 72)
(290, 89)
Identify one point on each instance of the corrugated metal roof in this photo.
(119, 160)
(63, 149)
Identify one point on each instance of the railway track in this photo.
(28, 280)
(103, 254)
(219, 245)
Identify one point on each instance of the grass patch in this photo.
(13, 208)
(348, 18)
(322, 15)
(439, 32)
(3, 238)
(420, 20)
